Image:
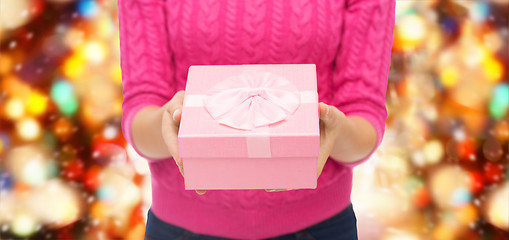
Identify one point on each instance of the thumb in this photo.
(175, 106)
(325, 112)
(177, 115)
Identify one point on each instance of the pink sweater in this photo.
(349, 41)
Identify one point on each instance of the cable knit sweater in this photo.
(349, 41)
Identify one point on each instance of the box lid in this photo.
(202, 136)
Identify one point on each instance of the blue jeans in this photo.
(340, 226)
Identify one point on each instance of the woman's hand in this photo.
(170, 126)
(331, 119)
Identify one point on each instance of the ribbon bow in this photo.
(248, 101)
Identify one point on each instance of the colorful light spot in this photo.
(499, 103)
(36, 103)
(461, 197)
(23, 225)
(14, 108)
(62, 93)
(88, 8)
(449, 76)
(28, 128)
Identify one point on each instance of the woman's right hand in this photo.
(170, 126)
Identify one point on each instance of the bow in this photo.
(248, 101)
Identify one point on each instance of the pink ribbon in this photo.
(254, 100)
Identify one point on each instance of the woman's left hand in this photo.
(331, 119)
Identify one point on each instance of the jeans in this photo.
(340, 226)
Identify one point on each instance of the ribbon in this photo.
(248, 101)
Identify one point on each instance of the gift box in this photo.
(250, 127)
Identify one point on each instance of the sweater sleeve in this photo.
(145, 59)
(362, 63)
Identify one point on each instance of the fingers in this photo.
(173, 145)
(174, 111)
(175, 107)
(329, 115)
(201, 192)
(324, 111)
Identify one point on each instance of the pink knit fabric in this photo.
(349, 41)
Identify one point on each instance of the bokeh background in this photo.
(66, 172)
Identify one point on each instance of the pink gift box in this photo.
(250, 127)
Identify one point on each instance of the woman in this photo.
(349, 41)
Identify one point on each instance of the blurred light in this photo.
(93, 177)
(109, 154)
(61, 1)
(110, 132)
(433, 151)
(14, 13)
(63, 128)
(74, 37)
(461, 197)
(399, 235)
(421, 197)
(73, 170)
(105, 27)
(403, 8)
(139, 163)
(467, 149)
(447, 185)
(61, 203)
(23, 225)
(499, 103)
(412, 183)
(479, 11)
(449, 76)
(29, 164)
(106, 193)
(5, 181)
(36, 103)
(28, 128)
(466, 214)
(119, 190)
(62, 94)
(493, 41)
(33, 173)
(94, 51)
(14, 108)
(493, 69)
(496, 209)
(98, 210)
(492, 150)
(418, 158)
(116, 73)
(493, 172)
(6, 65)
(88, 8)
(13, 87)
(74, 66)
(444, 231)
(502, 130)
(410, 30)
(476, 181)
(450, 25)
